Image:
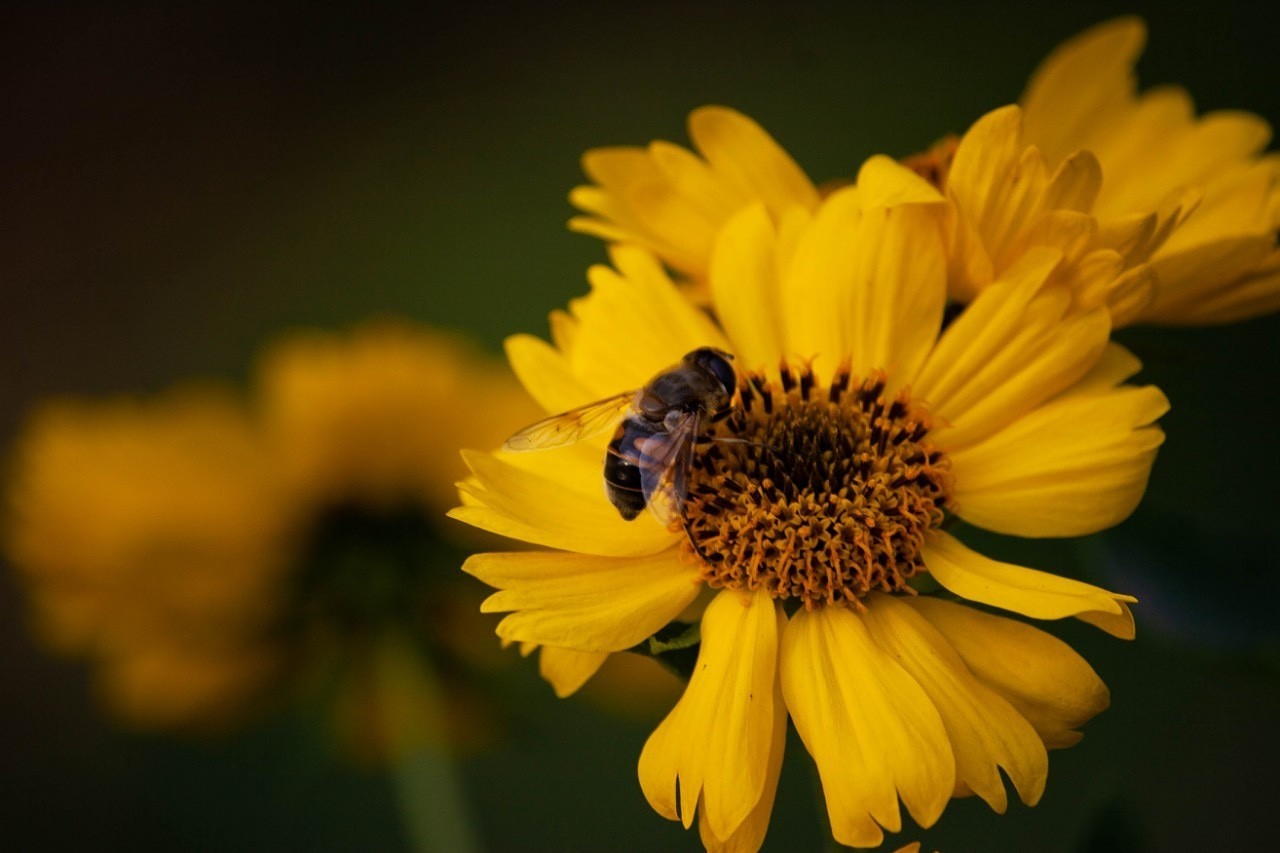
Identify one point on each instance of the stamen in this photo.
(820, 497)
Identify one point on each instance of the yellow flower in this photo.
(1163, 217)
(212, 555)
(154, 539)
(374, 417)
(1222, 264)
(862, 425)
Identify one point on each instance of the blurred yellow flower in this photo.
(212, 556)
(1220, 265)
(154, 537)
(375, 418)
(1167, 218)
(813, 511)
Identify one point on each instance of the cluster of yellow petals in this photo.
(1178, 212)
(1220, 263)
(673, 202)
(161, 539)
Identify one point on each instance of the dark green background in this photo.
(178, 184)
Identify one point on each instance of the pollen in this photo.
(818, 495)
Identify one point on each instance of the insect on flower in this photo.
(648, 460)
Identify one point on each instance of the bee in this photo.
(648, 461)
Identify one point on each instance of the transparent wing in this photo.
(572, 426)
(664, 468)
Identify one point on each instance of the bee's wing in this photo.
(664, 468)
(571, 426)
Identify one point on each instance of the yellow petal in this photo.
(672, 202)
(562, 512)
(1033, 593)
(715, 745)
(742, 153)
(674, 227)
(634, 324)
(1076, 465)
(618, 166)
(749, 836)
(996, 182)
(969, 264)
(869, 285)
(1251, 295)
(545, 374)
(579, 467)
(1235, 202)
(584, 602)
(986, 732)
(1048, 683)
(884, 182)
(1161, 146)
(568, 669)
(1010, 350)
(1068, 231)
(1085, 82)
(693, 180)
(1196, 283)
(1116, 624)
(1114, 366)
(635, 204)
(985, 154)
(1130, 235)
(1129, 297)
(744, 288)
(1007, 202)
(1075, 183)
(870, 728)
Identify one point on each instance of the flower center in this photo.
(819, 494)
(364, 569)
(934, 165)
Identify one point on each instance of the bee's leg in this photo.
(697, 549)
(729, 440)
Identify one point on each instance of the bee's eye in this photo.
(717, 364)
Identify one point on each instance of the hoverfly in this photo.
(652, 449)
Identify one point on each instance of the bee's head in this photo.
(717, 363)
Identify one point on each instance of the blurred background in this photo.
(178, 184)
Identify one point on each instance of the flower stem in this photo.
(429, 792)
(432, 804)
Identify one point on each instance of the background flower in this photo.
(211, 558)
(181, 183)
(1222, 264)
(155, 537)
(1182, 210)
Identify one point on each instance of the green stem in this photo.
(430, 795)
(431, 803)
